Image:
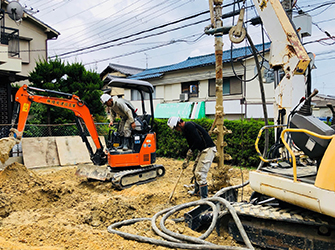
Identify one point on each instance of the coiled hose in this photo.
(176, 240)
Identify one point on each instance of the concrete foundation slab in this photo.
(72, 150)
(40, 152)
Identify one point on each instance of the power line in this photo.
(58, 6)
(122, 22)
(142, 50)
(140, 38)
(319, 6)
(90, 8)
(141, 32)
(120, 12)
(322, 41)
(128, 36)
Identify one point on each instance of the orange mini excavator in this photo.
(123, 168)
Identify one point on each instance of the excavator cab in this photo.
(144, 122)
(135, 165)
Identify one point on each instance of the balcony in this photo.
(9, 47)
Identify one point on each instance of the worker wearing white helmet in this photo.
(123, 108)
(197, 138)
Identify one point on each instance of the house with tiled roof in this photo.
(187, 88)
(118, 70)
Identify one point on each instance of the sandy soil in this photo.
(53, 209)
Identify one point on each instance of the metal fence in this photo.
(47, 130)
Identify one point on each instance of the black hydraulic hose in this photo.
(201, 238)
(223, 190)
(175, 240)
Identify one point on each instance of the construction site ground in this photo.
(49, 209)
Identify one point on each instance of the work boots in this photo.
(195, 192)
(125, 144)
(204, 191)
(121, 142)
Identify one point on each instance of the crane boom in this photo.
(286, 53)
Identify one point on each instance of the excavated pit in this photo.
(54, 209)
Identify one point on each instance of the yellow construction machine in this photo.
(293, 203)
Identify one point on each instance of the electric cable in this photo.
(115, 27)
(142, 50)
(142, 32)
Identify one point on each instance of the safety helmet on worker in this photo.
(173, 121)
(105, 98)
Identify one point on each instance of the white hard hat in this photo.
(104, 98)
(172, 122)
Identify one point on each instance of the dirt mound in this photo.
(15, 173)
(23, 189)
(55, 209)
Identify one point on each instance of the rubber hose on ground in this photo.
(176, 240)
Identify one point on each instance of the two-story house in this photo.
(187, 89)
(23, 43)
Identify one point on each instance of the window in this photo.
(136, 95)
(230, 86)
(191, 88)
(25, 51)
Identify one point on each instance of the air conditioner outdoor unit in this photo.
(183, 97)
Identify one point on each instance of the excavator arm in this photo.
(68, 101)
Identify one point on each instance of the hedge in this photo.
(241, 142)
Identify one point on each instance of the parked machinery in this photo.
(123, 168)
(292, 206)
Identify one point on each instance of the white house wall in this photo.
(168, 89)
(252, 87)
(37, 38)
(138, 104)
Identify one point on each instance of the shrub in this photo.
(241, 142)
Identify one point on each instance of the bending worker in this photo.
(197, 138)
(126, 111)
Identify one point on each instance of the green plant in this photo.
(240, 142)
(67, 78)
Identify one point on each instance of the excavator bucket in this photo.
(101, 173)
(6, 145)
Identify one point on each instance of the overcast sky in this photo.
(118, 31)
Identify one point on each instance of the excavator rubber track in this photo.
(128, 178)
(289, 228)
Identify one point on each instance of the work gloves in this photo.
(187, 159)
(189, 154)
(185, 164)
